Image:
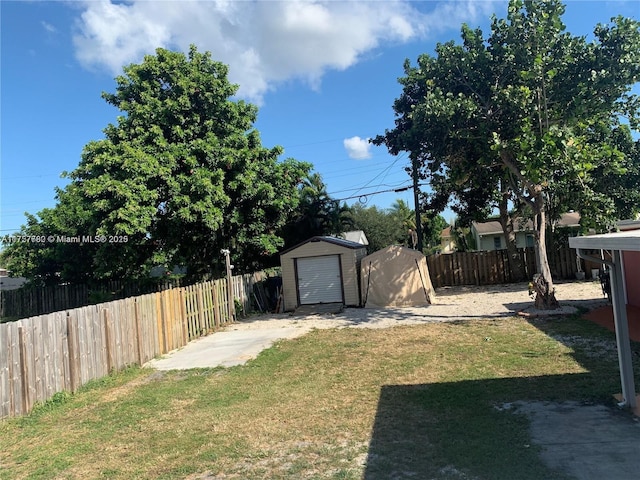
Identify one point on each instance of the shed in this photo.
(321, 270)
(396, 277)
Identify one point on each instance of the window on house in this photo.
(497, 243)
(530, 241)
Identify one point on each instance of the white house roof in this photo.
(357, 236)
(624, 241)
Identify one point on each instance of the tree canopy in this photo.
(528, 113)
(181, 175)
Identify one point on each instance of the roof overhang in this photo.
(623, 241)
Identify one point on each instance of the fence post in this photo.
(107, 339)
(136, 309)
(230, 299)
(200, 301)
(163, 316)
(72, 345)
(183, 314)
(216, 305)
(24, 371)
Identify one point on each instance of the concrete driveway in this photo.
(225, 348)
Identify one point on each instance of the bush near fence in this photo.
(41, 356)
(492, 267)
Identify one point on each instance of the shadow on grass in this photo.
(461, 429)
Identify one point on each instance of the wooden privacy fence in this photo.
(43, 355)
(492, 267)
(31, 301)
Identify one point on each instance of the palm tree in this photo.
(406, 218)
(317, 213)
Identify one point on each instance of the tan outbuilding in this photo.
(395, 277)
(321, 270)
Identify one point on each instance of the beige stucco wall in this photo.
(349, 261)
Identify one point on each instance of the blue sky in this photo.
(323, 73)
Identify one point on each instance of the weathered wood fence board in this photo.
(492, 267)
(46, 354)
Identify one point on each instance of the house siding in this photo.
(486, 242)
(350, 265)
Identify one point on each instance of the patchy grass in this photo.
(414, 402)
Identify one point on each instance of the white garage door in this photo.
(319, 280)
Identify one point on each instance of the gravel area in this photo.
(452, 303)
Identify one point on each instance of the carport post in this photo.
(621, 323)
(622, 331)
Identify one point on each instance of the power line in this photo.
(388, 168)
(356, 172)
(401, 189)
(396, 185)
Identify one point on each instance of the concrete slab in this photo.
(588, 442)
(226, 348)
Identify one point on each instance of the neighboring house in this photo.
(489, 235)
(447, 242)
(356, 236)
(10, 283)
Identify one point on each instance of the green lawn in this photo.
(408, 402)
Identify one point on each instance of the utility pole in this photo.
(416, 201)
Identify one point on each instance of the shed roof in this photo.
(624, 241)
(336, 241)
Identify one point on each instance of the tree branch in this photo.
(508, 162)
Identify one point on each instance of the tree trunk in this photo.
(542, 281)
(516, 266)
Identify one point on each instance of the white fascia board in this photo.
(623, 241)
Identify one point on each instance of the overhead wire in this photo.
(399, 157)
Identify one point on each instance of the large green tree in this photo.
(381, 227)
(524, 105)
(181, 175)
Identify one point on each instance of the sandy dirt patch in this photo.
(452, 303)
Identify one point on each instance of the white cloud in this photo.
(48, 27)
(263, 42)
(357, 148)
